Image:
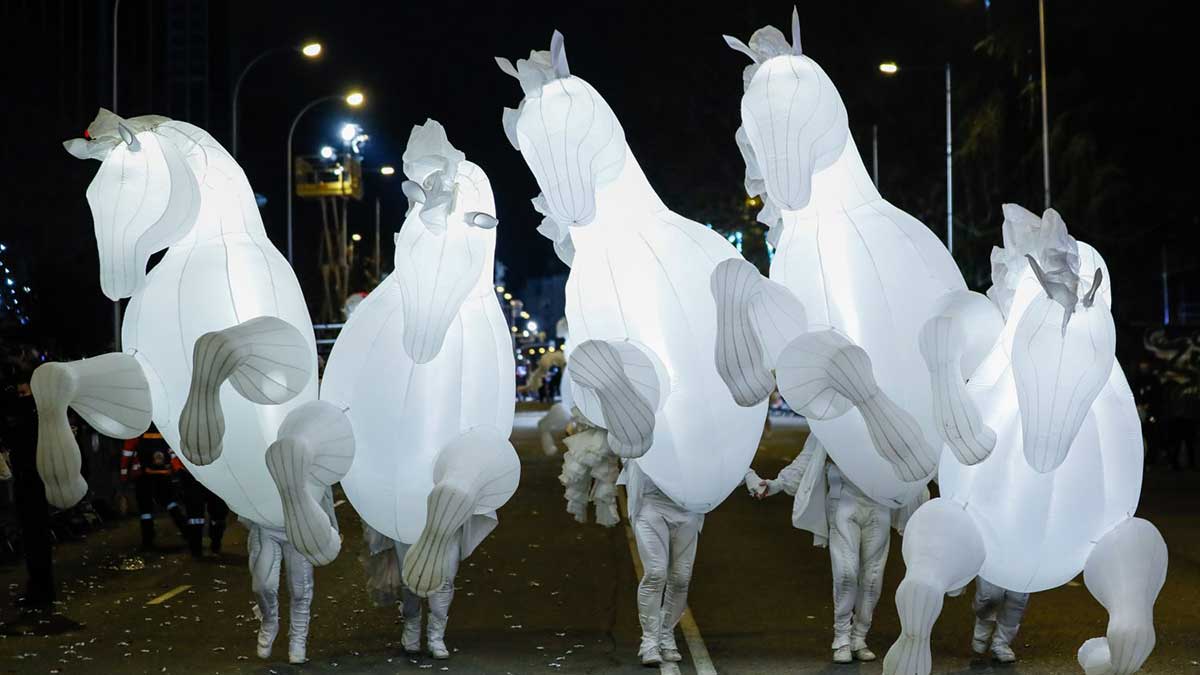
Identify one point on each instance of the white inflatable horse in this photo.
(863, 272)
(1011, 382)
(1057, 494)
(221, 293)
(423, 374)
(642, 323)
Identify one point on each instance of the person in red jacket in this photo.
(149, 463)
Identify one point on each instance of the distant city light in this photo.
(888, 68)
(311, 50)
(508, 296)
(356, 237)
(499, 289)
(349, 131)
(387, 170)
(327, 152)
(532, 325)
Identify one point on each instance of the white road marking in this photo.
(169, 594)
(687, 624)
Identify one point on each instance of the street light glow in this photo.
(356, 237)
(532, 325)
(326, 152)
(888, 68)
(499, 289)
(312, 50)
(355, 98)
(387, 170)
(349, 131)
(508, 296)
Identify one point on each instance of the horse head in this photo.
(794, 123)
(144, 198)
(566, 132)
(446, 245)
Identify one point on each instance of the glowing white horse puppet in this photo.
(423, 373)
(642, 324)
(222, 305)
(168, 184)
(865, 273)
(1017, 509)
(1057, 494)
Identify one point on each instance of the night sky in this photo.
(1120, 99)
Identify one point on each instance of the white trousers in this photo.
(439, 600)
(269, 551)
(666, 537)
(998, 610)
(859, 536)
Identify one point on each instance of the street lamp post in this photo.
(115, 27)
(890, 68)
(309, 50)
(354, 99)
(1045, 105)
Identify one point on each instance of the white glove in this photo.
(753, 483)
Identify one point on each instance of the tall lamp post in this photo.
(890, 68)
(353, 99)
(385, 170)
(115, 27)
(310, 50)
(1045, 105)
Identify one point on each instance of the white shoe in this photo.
(651, 656)
(842, 655)
(864, 654)
(266, 638)
(296, 653)
(410, 640)
(1003, 653)
(671, 655)
(437, 649)
(983, 633)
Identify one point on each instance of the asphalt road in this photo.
(545, 594)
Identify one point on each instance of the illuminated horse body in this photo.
(1041, 469)
(423, 372)
(1057, 494)
(222, 291)
(642, 322)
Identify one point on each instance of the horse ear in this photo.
(795, 31)
(558, 55)
(507, 67)
(129, 138)
(739, 46)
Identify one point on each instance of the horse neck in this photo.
(626, 203)
(843, 186)
(227, 203)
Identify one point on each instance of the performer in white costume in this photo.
(667, 536)
(270, 551)
(384, 584)
(856, 529)
(998, 614)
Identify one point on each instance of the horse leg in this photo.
(822, 374)
(267, 360)
(756, 318)
(1124, 572)
(474, 473)
(314, 450)
(110, 392)
(968, 324)
(629, 384)
(942, 551)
